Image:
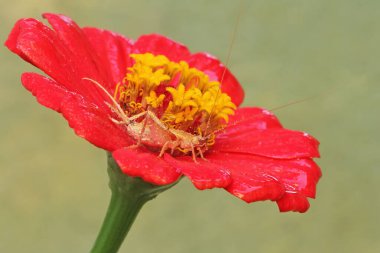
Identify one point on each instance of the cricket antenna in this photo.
(229, 53)
(292, 103)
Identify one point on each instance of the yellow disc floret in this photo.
(181, 97)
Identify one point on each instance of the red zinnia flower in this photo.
(100, 81)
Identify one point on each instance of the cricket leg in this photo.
(201, 153)
(193, 153)
(118, 122)
(163, 149)
(142, 132)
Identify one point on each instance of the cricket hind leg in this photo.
(118, 122)
(115, 107)
(117, 112)
(137, 116)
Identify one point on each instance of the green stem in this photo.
(129, 194)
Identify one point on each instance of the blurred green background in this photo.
(53, 185)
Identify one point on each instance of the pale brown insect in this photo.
(152, 133)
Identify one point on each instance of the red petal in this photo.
(66, 64)
(93, 124)
(48, 92)
(203, 174)
(87, 119)
(217, 71)
(112, 50)
(158, 44)
(38, 44)
(258, 178)
(274, 142)
(147, 165)
(251, 189)
(251, 118)
(81, 51)
(249, 181)
(293, 202)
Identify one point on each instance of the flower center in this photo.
(183, 101)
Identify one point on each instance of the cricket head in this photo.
(182, 98)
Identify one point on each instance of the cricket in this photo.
(153, 133)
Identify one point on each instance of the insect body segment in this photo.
(169, 106)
